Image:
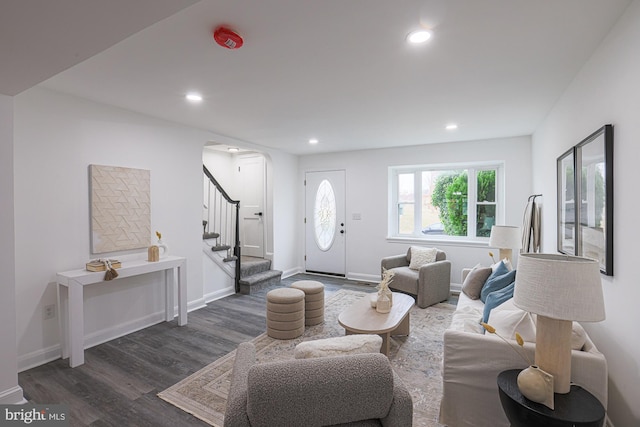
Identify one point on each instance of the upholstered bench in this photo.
(338, 346)
(285, 313)
(313, 300)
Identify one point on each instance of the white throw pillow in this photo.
(578, 336)
(509, 319)
(421, 256)
(508, 322)
(338, 346)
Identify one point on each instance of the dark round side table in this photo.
(577, 408)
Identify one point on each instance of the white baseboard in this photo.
(39, 357)
(108, 334)
(12, 396)
(191, 306)
(212, 296)
(46, 355)
(359, 277)
(292, 272)
(456, 288)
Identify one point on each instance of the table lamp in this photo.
(506, 238)
(559, 289)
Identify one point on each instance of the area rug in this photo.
(415, 358)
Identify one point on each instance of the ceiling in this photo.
(336, 70)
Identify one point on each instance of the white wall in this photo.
(282, 245)
(284, 202)
(220, 165)
(10, 392)
(367, 194)
(56, 138)
(607, 90)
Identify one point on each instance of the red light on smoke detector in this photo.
(227, 38)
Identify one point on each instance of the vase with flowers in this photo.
(385, 296)
(534, 383)
(162, 246)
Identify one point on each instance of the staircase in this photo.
(256, 274)
(223, 215)
(221, 241)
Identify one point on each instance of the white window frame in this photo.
(472, 203)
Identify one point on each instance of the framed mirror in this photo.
(594, 162)
(585, 199)
(566, 203)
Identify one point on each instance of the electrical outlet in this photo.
(49, 311)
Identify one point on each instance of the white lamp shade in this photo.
(560, 287)
(505, 236)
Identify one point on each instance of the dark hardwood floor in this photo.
(118, 383)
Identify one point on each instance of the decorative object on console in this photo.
(506, 238)
(162, 246)
(111, 272)
(107, 265)
(153, 254)
(559, 289)
(100, 265)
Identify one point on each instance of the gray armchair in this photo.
(353, 390)
(430, 284)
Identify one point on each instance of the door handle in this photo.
(258, 213)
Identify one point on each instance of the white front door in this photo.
(251, 190)
(325, 240)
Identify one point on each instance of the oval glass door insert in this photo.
(324, 216)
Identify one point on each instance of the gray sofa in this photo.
(353, 390)
(430, 284)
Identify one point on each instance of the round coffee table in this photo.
(361, 318)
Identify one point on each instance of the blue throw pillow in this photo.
(500, 269)
(496, 298)
(496, 282)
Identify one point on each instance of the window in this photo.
(446, 201)
(324, 216)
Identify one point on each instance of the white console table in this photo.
(71, 298)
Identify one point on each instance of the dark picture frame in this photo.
(566, 202)
(585, 199)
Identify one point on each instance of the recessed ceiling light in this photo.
(233, 149)
(420, 36)
(193, 97)
(451, 126)
(313, 141)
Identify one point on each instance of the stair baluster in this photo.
(224, 215)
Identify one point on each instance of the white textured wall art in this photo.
(120, 208)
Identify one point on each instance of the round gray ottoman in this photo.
(285, 313)
(313, 300)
